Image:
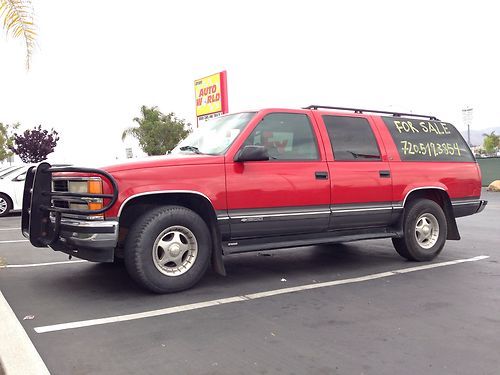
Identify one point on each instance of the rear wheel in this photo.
(425, 231)
(5, 205)
(168, 249)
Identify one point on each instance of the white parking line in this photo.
(41, 264)
(10, 228)
(14, 241)
(243, 298)
(18, 355)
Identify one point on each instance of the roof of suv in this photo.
(378, 112)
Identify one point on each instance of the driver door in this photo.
(288, 194)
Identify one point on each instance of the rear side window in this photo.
(424, 140)
(351, 138)
(286, 136)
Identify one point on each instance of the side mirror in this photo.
(21, 177)
(252, 153)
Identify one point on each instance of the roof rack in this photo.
(358, 110)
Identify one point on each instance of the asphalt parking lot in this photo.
(349, 314)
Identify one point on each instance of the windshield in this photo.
(215, 136)
(6, 173)
(5, 170)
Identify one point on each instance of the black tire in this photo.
(5, 205)
(409, 246)
(140, 259)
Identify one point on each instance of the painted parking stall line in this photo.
(13, 241)
(29, 265)
(248, 297)
(18, 354)
(5, 229)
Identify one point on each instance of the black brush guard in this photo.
(36, 223)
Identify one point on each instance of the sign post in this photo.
(467, 116)
(211, 96)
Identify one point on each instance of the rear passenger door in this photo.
(361, 178)
(288, 194)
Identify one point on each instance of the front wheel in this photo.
(168, 249)
(425, 231)
(5, 205)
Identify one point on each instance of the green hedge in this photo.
(490, 169)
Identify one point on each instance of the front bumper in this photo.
(46, 224)
(91, 240)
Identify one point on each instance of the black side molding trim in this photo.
(306, 239)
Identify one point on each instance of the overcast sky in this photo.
(97, 62)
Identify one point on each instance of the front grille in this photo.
(60, 185)
(62, 204)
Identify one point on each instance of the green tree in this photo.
(16, 17)
(6, 139)
(491, 142)
(158, 133)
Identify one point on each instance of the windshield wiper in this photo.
(190, 148)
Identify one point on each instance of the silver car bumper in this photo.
(90, 240)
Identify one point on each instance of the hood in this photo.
(165, 161)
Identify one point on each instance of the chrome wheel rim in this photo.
(3, 205)
(427, 230)
(175, 251)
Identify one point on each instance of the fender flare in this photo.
(453, 232)
(217, 260)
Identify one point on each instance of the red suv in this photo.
(251, 181)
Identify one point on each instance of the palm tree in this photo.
(157, 133)
(17, 19)
(491, 142)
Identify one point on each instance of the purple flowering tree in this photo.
(34, 145)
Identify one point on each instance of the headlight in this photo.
(81, 187)
(91, 186)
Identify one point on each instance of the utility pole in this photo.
(467, 116)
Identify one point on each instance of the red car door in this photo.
(288, 194)
(360, 172)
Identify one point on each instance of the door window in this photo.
(352, 138)
(286, 136)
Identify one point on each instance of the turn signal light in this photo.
(94, 206)
(95, 186)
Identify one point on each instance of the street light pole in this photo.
(467, 116)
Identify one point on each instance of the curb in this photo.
(19, 355)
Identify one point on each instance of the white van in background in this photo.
(11, 188)
(7, 169)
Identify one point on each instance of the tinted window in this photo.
(425, 140)
(287, 136)
(351, 138)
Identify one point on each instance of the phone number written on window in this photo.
(430, 148)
